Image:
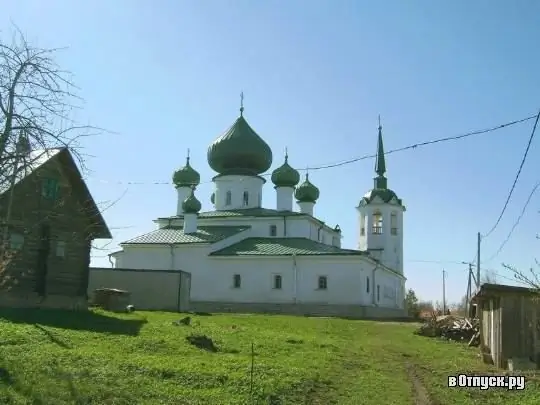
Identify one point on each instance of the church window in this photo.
(228, 198)
(246, 198)
(260, 200)
(377, 223)
(16, 241)
(277, 282)
(273, 230)
(60, 248)
(378, 292)
(367, 285)
(362, 231)
(237, 281)
(323, 283)
(393, 223)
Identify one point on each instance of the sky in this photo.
(165, 76)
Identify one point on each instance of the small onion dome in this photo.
(213, 198)
(285, 175)
(186, 176)
(240, 151)
(191, 205)
(306, 192)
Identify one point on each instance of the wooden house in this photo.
(48, 222)
(509, 323)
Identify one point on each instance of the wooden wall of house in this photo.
(491, 317)
(520, 337)
(68, 221)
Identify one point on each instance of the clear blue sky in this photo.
(166, 75)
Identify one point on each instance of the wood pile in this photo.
(452, 327)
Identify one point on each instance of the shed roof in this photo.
(490, 290)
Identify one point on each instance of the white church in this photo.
(243, 257)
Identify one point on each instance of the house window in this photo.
(228, 198)
(246, 198)
(16, 241)
(60, 248)
(377, 223)
(367, 285)
(273, 230)
(378, 292)
(237, 281)
(393, 223)
(277, 282)
(323, 283)
(49, 189)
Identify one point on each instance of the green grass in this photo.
(54, 357)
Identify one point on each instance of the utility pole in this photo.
(469, 286)
(478, 262)
(444, 291)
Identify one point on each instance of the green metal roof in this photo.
(283, 247)
(176, 235)
(385, 194)
(248, 212)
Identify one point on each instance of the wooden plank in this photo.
(534, 328)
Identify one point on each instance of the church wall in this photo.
(212, 277)
(389, 289)
(346, 278)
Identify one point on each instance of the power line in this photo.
(516, 223)
(414, 146)
(357, 159)
(517, 177)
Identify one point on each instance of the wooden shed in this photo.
(509, 323)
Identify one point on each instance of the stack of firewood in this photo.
(452, 328)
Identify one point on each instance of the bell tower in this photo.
(380, 214)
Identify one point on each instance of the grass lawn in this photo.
(54, 357)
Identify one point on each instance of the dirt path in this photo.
(421, 396)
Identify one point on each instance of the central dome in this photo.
(240, 151)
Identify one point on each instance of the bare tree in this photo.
(37, 101)
(530, 278)
(489, 277)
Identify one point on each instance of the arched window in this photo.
(377, 223)
(393, 223)
(246, 198)
(228, 198)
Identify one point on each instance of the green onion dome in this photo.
(306, 192)
(240, 151)
(191, 205)
(285, 175)
(186, 176)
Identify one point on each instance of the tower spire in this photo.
(380, 164)
(286, 155)
(241, 104)
(187, 157)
